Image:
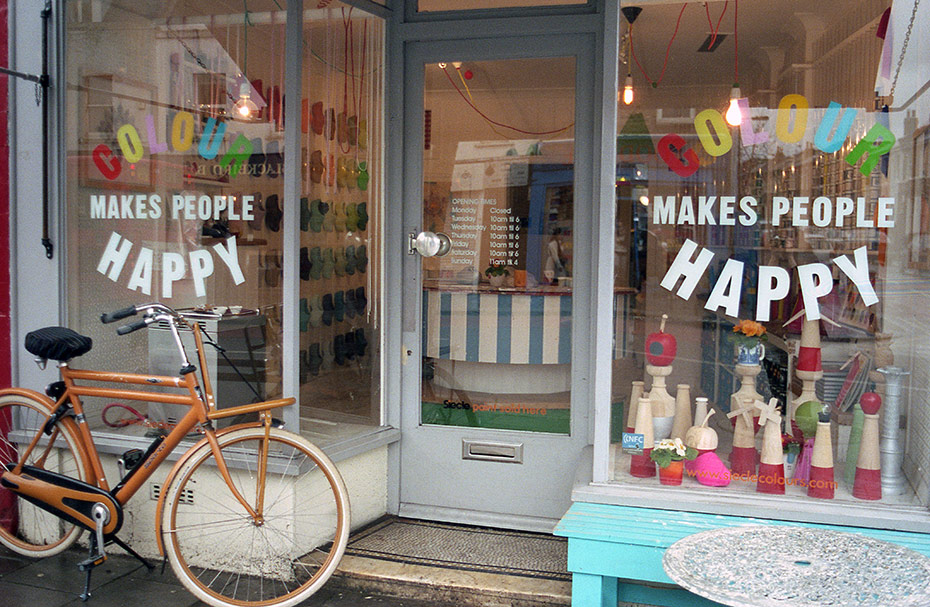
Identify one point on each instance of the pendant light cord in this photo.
(714, 30)
(246, 22)
(667, 51)
(735, 41)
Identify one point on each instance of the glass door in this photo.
(495, 174)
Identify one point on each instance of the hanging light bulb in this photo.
(628, 90)
(631, 13)
(245, 108)
(734, 116)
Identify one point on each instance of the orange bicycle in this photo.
(249, 514)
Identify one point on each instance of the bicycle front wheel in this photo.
(227, 557)
(24, 527)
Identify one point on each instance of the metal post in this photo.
(44, 84)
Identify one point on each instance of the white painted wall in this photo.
(364, 476)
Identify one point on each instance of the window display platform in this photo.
(613, 551)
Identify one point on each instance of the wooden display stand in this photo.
(663, 403)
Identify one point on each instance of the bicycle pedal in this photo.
(97, 545)
(92, 562)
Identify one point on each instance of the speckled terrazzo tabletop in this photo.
(781, 566)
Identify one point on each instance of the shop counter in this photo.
(508, 325)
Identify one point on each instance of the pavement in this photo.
(123, 581)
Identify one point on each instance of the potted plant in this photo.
(670, 455)
(749, 337)
(496, 275)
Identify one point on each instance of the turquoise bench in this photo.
(615, 552)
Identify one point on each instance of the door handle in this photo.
(429, 244)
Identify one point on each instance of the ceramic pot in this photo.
(750, 355)
(671, 474)
(662, 427)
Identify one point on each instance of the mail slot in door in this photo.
(492, 451)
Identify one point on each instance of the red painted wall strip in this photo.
(5, 367)
(7, 513)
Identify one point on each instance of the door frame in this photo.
(416, 55)
(594, 391)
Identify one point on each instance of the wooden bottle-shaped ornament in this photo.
(852, 448)
(743, 456)
(772, 461)
(809, 367)
(700, 408)
(868, 482)
(635, 394)
(641, 466)
(821, 482)
(683, 419)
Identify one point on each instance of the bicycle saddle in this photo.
(57, 343)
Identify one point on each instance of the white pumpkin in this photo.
(703, 437)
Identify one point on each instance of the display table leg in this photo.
(594, 590)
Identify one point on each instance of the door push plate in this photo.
(492, 451)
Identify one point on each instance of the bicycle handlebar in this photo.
(108, 317)
(134, 326)
(149, 309)
(151, 313)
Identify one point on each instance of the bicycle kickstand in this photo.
(97, 556)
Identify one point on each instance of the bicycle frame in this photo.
(197, 395)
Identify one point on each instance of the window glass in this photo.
(341, 182)
(426, 6)
(175, 188)
(498, 180)
(806, 219)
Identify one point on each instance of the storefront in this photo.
(453, 233)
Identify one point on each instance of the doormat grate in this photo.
(463, 547)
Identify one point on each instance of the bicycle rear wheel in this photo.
(226, 558)
(24, 527)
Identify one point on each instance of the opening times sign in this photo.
(505, 237)
(484, 232)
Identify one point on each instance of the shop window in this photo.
(428, 6)
(175, 134)
(808, 217)
(340, 221)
